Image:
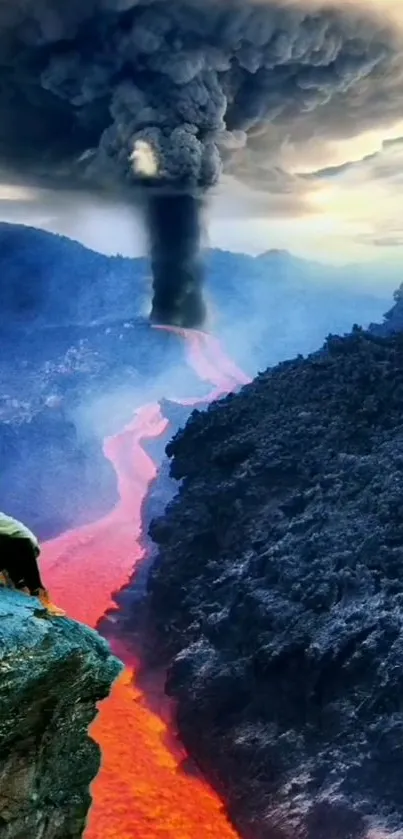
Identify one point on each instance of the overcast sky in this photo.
(328, 185)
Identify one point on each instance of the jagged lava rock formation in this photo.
(277, 594)
(52, 674)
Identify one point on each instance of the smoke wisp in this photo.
(198, 83)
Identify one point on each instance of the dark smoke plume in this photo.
(176, 260)
(198, 82)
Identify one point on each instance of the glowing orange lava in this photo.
(141, 792)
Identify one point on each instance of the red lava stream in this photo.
(140, 792)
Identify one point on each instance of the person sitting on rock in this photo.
(19, 552)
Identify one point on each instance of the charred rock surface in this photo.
(277, 595)
(52, 674)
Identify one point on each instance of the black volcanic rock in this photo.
(277, 594)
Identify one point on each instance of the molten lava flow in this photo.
(141, 790)
(209, 362)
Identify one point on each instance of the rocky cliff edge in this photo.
(52, 674)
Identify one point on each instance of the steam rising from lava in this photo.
(86, 86)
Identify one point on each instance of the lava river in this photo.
(141, 791)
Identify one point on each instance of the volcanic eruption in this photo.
(200, 84)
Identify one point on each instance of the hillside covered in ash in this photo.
(62, 390)
(277, 595)
(263, 308)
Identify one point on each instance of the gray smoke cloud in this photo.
(199, 82)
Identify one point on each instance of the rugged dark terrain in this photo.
(277, 595)
(78, 356)
(275, 568)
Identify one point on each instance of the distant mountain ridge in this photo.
(265, 308)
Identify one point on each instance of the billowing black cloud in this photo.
(200, 81)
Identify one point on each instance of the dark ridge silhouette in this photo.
(393, 318)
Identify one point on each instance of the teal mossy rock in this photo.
(53, 671)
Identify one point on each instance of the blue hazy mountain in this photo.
(265, 308)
